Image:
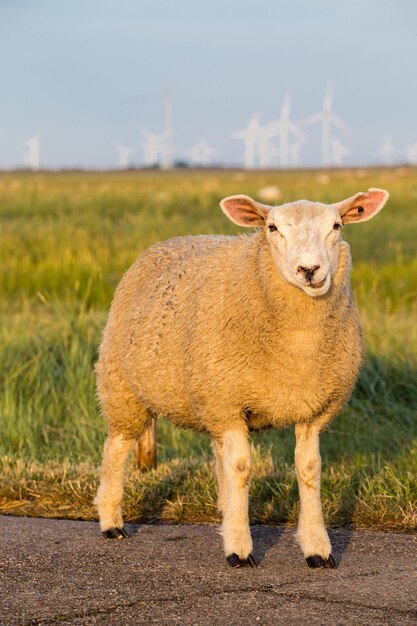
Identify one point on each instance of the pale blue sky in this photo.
(85, 73)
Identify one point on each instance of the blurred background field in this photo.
(65, 241)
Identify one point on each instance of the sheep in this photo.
(232, 334)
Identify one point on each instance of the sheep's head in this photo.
(304, 236)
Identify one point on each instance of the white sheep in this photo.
(227, 335)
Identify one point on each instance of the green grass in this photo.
(65, 241)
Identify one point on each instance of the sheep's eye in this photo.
(337, 226)
(272, 227)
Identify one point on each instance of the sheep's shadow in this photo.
(155, 492)
(340, 539)
(264, 538)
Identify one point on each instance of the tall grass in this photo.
(65, 241)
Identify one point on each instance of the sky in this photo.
(86, 75)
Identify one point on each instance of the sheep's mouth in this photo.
(319, 288)
(318, 285)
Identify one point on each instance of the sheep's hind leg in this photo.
(127, 420)
(235, 528)
(110, 493)
(145, 449)
(311, 532)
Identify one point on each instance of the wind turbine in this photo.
(327, 119)
(338, 152)
(250, 137)
(201, 153)
(124, 153)
(153, 147)
(283, 127)
(266, 148)
(412, 153)
(387, 150)
(33, 154)
(294, 151)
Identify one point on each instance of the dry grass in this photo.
(185, 491)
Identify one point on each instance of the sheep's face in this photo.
(304, 237)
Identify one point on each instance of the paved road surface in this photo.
(54, 571)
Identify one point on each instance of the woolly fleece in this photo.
(205, 332)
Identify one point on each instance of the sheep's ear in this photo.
(244, 211)
(363, 206)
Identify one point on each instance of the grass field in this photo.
(65, 241)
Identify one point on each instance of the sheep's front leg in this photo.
(221, 483)
(237, 465)
(311, 533)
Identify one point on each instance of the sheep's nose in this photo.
(308, 271)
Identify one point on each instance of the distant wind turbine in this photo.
(266, 148)
(123, 155)
(283, 127)
(250, 136)
(387, 150)
(33, 153)
(153, 147)
(167, 152)
(412, 153)
(294, 151)
(338, 152)
(201, 153)
(327, 119)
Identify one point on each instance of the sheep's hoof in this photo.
(235, 561)
(114, 533)
(317, 561)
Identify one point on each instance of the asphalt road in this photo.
(54, 571)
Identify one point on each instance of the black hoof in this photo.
(235, 561)
(330, 562)
(317, 561)
(114, 533)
